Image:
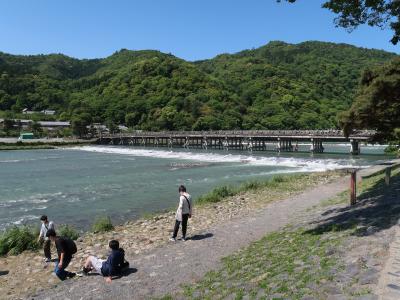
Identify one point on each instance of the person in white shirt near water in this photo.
(183, 213)
(46, 225)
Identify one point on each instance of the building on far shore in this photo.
(26, 111)
(54, 125)
(49, 125)
(49, 112)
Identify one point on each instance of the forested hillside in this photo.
(276, 86)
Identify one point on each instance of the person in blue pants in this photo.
(64, 252)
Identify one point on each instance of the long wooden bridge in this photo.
(252, 140)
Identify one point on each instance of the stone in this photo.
(368, 277)
(352, 270)
(336, 297)
(367, 297)
(371, 230)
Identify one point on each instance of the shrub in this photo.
(251, 185)
(102, 224)
(15, 240)
(217, 194)
(67, 231)
(280, 178)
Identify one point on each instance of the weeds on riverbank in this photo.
(16, 239)
(102, 224)
(67, 231)
(222, 192)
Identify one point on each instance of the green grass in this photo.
(102, 224)
(288, 183)
(16, 239)
(291, 263)
(287, 262)
(67, 231)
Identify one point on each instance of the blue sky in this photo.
(190, 29)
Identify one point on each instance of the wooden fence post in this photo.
(353, 187)
(387, 175)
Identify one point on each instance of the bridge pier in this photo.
(355, 147)
(284, 145)
(316, 146)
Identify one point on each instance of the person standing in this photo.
(46, 225)
(65, 249)
(183, 213)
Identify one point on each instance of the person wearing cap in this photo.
(46, 225)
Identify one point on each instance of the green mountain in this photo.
(276, 86)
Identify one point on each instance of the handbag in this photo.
(190, 215)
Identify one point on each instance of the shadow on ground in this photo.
(2, 273)
(199, 237)
(124, 273)
(377, 208)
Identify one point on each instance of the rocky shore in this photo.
(29, 275)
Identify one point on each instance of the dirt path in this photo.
(165, 269)
(389, 281)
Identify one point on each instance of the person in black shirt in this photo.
(64, 252)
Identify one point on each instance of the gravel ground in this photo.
(165, 269)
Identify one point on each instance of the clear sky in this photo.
(190, 29)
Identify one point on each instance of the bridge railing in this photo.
(273, 133)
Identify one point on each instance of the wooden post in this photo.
(387, 175)
(353, 187)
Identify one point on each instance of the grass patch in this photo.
(68, 231)
(288, 262)
(288, 183)
(293, 263)
(102, 224)
(15, 240)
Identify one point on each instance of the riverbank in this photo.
(28, 274)
(329, 251)
(41, 144)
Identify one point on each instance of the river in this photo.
(74, 185)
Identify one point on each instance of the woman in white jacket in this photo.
(183, 213)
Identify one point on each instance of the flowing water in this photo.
(74, 185)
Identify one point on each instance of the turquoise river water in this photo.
(74, 185)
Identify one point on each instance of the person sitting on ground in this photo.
(108, 268)
(66, 248)
(183, 213)
(46, 225)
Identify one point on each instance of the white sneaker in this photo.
(183, 239)
(172, 239)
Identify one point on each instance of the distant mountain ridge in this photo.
(276, 86)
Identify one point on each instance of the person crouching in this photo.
(66, 248)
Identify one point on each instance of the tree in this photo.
(352, 13)
(377, 104)
(8, 125)
(79, 124)
(36, 128)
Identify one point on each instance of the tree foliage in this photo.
(352, 13)
(377, 105)
(277, 86)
